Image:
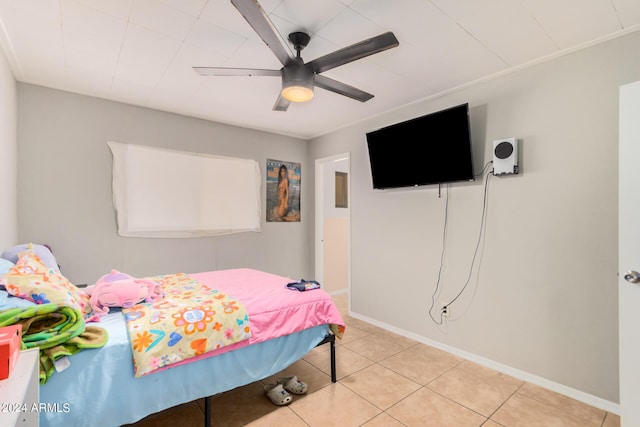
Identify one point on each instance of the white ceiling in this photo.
(141, 51)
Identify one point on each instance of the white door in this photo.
(629, 254)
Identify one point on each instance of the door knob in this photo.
(632, 276)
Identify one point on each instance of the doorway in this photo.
(332, 224)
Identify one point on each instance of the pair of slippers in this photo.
(280, 393)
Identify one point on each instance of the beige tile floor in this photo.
(386, 380)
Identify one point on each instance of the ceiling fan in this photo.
(300, 78)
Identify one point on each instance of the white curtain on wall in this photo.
(166, 193)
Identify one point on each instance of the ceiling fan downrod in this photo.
(299, 40)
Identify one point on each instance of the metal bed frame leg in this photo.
(207, 411)
(331, 339)
(333, 358)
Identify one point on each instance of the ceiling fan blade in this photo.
(281, 104)
(342, 88)
(261, 24)
(355, 51)
(222, 71)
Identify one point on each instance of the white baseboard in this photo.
(578, 395)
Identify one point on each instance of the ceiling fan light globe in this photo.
(297, 93)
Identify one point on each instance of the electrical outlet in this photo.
(445, 310)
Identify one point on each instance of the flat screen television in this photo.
(431, 149)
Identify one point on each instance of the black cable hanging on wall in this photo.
(444, 245)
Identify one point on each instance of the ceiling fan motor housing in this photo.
(297, 82)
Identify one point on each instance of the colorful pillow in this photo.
(32, 280)
(44, 253)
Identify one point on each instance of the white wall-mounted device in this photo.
(505, 156)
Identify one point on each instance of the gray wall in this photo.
(8, 155)
(65, 199)
(542, 299)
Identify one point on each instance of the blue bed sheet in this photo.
(98, 389)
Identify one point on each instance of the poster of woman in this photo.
(283, 191)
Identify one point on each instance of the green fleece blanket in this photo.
(56, 330)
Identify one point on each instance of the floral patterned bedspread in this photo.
(191, 320)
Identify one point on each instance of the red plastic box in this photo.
(10, 345)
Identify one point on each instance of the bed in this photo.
(99, 388)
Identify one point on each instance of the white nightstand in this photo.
(20, 393)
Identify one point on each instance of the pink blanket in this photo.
(273, 310)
